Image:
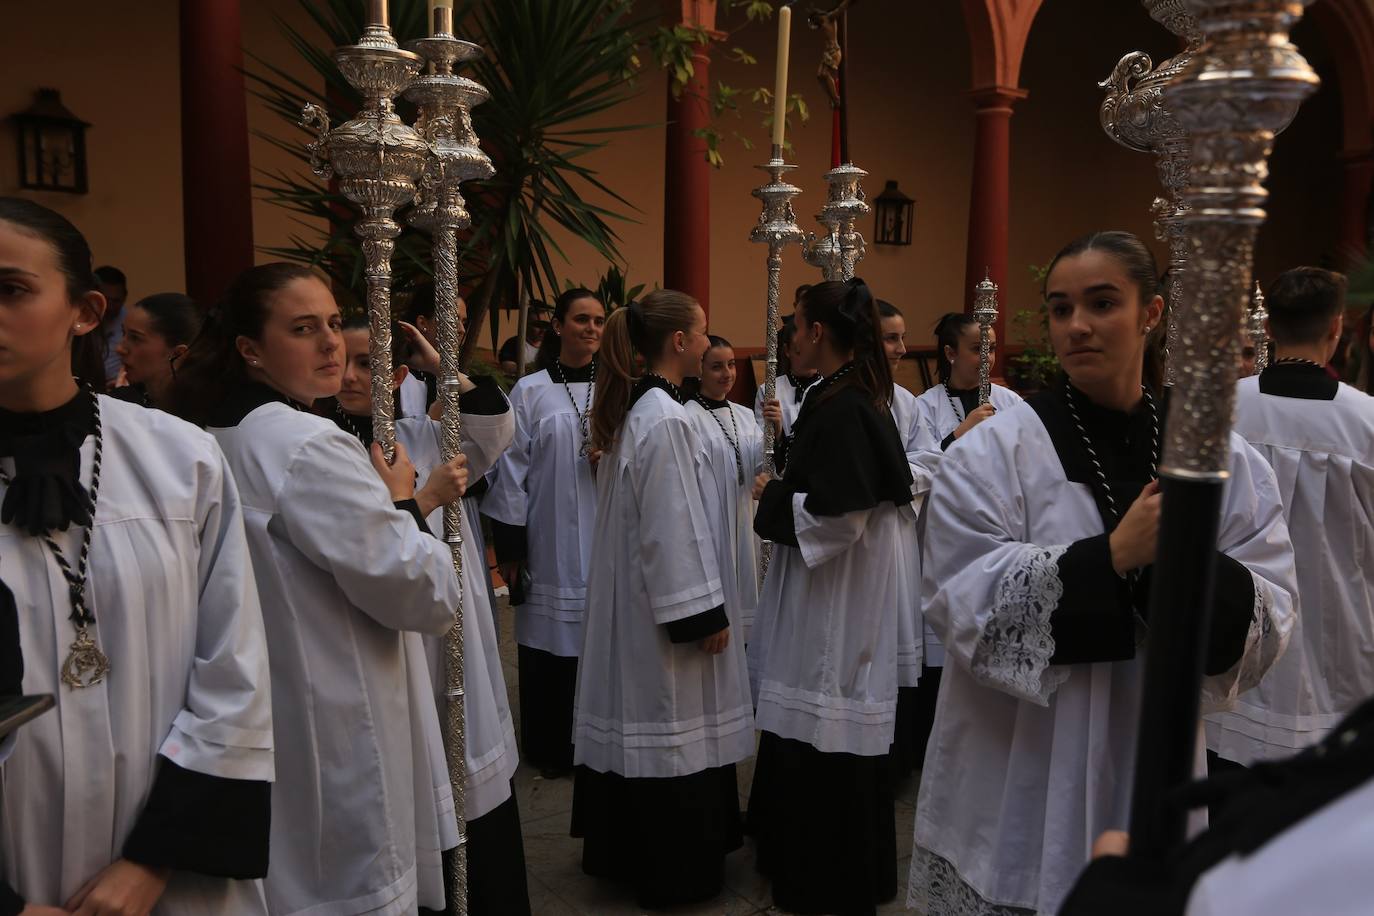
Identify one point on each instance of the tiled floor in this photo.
(553, 859)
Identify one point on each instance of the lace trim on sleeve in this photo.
(1263, 644)
(1013, 653)
(934, 887)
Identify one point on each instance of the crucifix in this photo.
(834, 72)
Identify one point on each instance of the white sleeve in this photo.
(987, 594)
(508, 499)
(751, 446)
(484, 437)
(225, 728)
(337, 513)
(681, 574)
(1254, 533)
(824, 537)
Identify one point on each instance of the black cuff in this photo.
(411, 506)
(477, 489)
(698, 626)
(774, 519)
(509, 542)
(946, 442)
(1093, 621)
(11, 904)
(203, 824)
(485, 400)
(1233, 610)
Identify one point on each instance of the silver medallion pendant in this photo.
(86, 665)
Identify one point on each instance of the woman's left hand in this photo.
(772, 413)
(760, 482)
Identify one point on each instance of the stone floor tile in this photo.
(744, 879)
(539, 797)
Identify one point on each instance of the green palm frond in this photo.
(550, 65)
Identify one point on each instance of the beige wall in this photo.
(911, 121)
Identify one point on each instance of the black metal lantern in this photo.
(894, 213)
(52, 146)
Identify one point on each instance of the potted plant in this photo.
(1035, 366)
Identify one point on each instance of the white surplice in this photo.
(543, 484)
(177, 614)
(940, 417)
(490, 747)
(344, 575)
(730, 502)
(1322, 453)
(917, 441)
(650, 707)
(1029, 762)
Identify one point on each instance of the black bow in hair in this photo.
(856, 297)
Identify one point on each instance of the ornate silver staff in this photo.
(985, 313)
(1259, 334)
(1242, 87)
(378, 160)
(841, 247)
(1139, 118)
(444, 101)
(777, 227)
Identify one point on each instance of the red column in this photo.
(217, 208)
(1357, 185)
(990, 199)
(687, 174)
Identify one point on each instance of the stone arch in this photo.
(1348, 27)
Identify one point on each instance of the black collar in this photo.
(651, 381)
(967, 397)
(712, 403)
(45, 493)
(801, 384)
(245, 399)
(1298, 380)
(570, 375)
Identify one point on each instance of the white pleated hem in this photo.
(396, 899)
(640, 750)
(488, 784)
(829, 724)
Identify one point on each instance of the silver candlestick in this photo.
(841, 247)
(777, 227)
(444, 103)
(985, 313)
(378, 160)
(1259, 334)
(1242, 86)
(1139, 118)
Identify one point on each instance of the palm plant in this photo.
(550, 66)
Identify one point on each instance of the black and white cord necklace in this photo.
(673, 389)
(813, 392)
(85, 665)
(585, 414)
(954, 403)
(733, 440)
(1092, 452)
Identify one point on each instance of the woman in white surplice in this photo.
(148, 787)
(821, 805)
(1040, 537)
(346, 570)
(663, 714)
(496, 858)
(542, 506)
(734, 448)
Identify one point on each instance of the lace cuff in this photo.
(1013, 653)
(1264, 642)
(934, 886)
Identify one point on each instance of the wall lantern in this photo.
(52, 146)
(893, 213)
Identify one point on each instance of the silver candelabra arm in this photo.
(313, 116)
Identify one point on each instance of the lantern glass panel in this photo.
(894, 213)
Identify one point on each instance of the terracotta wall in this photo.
(911, 121)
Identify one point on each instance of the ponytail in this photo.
(850, 315)
(949, 330)
(638, 329)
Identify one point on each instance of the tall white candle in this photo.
(780, 77)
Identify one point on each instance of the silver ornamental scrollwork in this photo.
(841, 246)
(985, 313)
(1243, 86)
(1259, 334)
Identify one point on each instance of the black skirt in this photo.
(496, 864)
(826, 828)
(667, 838)
(923, 715)
(548, 684)
(907, 737)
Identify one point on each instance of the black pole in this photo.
(844, 88)
(1175, 654)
